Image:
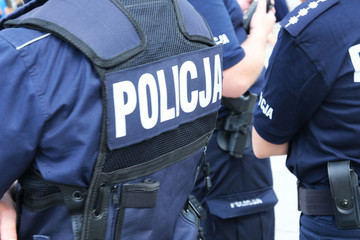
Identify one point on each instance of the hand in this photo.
(8, 11)
(244, 4)
(262, 21)
(7, 218)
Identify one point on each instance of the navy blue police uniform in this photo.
(107, 107)
(241, 197)
(282, 9)
(311, 100)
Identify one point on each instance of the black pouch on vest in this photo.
(345, 194)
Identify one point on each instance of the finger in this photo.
(8, 224)
(7, 218)
(272, 3)
(261, 5)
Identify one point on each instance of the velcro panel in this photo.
(148, 100)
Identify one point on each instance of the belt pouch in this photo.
(345, 194)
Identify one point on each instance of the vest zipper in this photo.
(115, 199)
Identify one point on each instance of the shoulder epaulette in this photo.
(302, 15)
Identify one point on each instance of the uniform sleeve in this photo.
(281, 8)
(294, 88)
(21, 117)
(217, 15)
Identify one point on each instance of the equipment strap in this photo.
(344, 185)
(315, 202)
(50, 194)
(343, 182)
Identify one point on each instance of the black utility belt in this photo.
(342, 200)
(316, 202)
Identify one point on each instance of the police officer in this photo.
(107, 107)
(240, 201)
(309, 109)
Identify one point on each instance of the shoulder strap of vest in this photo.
(90, 26)
(193, 24)
(95, 31)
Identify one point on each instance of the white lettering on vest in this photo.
(148, 82)
(188, 68)
(205, 98)
(175, 70)
(165, 113)
(122, 91)
(152, 94)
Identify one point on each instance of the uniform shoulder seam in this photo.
(298, 19)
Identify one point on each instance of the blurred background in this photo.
(286, 213)
(8, 6)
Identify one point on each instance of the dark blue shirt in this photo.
(312, 93)
(53, 124)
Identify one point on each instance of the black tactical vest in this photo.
(161, 79)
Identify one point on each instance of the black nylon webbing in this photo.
(316, 202)
(39, 194)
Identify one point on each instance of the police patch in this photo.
(145, 101)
